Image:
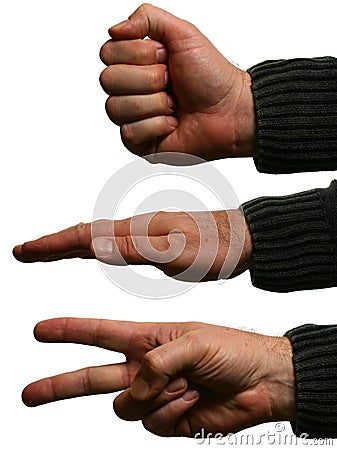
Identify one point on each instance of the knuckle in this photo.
(86, 382)
(159, 218)
(118, 409)
(144, 8)
(113, 110)
(165, 245)
(105, 52)
(25, 247)
(127, 246)
(153, 361)
(193, 325)
(150, 425)
(80, 231)
(129, 134)
(132, 146)
(104, 78)
(196, 343)
(161, 215)
(147, 424)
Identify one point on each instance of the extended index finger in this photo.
(71, 242)
(112, 335)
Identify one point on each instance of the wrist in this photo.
(245, 121)
(248, 246)
(281, 380)
(242, 240)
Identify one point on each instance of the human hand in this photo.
(175, 92)
(190, 246)
(178, 377)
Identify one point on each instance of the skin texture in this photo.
(178, 377)
(175, 92)
(195, 246)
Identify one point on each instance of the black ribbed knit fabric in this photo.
(295, 236)
(296, 109)
(315, 363)
(294, 240)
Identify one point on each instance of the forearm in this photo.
(296, 113)
(294, 240)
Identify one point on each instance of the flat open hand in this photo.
(178, 377)
(175, 92)
(190, 246)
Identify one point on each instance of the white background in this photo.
(58, 149)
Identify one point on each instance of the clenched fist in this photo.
(174, 92)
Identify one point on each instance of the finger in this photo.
(149, 224)
(154, 22)
(127, 408)
(122, 79)
(139, 52)
(72, 241)
(131, 108)
(137, 135)
(69, 243)
(163, 422)
(163, 363)
(89, 381)
(75, 241)
(109, 334)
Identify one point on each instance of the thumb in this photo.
(155, 23)
(123, 250)
(162, 364)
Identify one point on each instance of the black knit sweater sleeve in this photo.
(294, 240)
(296, 110)
(315, 363)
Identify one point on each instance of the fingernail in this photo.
(171, 102)
(175, 386)
(140, 388)
(118, 25)
(161, 55)
(102, 247)
(172, 121)
(190, 395)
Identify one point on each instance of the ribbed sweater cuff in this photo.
(315, 363)
(294, 240)
(296, 109)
